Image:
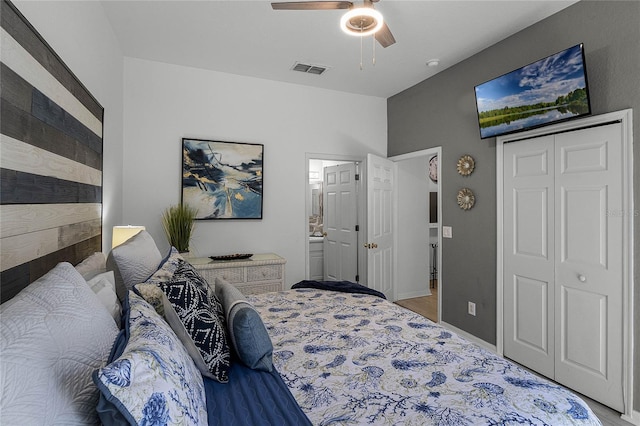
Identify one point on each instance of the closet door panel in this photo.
(531, 309)
(588, 317)
(529, 252)
(583, 226)
(584, 347)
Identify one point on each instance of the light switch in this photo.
(447, 232)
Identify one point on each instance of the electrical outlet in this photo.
(472, 309)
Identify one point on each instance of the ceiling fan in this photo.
(359, 20)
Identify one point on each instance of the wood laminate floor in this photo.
(427, 306)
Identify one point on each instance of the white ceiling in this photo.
(249, 38)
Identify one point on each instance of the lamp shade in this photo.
(123, 233)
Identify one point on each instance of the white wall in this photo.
(81, 35)
(412, 241)
(164, 103)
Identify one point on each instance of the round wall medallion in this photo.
(466, 164)
(466, 199)
(433, 168)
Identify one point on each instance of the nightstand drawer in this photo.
(232, 275)
(264, 273)
(248, 288)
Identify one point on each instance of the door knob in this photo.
(582, 278)
(371, 245)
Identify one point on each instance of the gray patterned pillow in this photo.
(202, 317)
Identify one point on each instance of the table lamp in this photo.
(122, 233)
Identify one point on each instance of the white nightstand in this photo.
(259, 274)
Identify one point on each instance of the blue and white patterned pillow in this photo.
(167, 268)
(154, 381)
(202, 316)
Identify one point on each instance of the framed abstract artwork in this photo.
(222, 180)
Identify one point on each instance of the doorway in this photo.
(328, 257)
(431, 255)
(418, 237)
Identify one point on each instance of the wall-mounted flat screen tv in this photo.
(547, 91)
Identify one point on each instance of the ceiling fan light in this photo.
(361, 21)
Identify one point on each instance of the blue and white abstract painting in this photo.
(223, 180)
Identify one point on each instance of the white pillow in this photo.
(135, 260)
(92, 265)
(104, 286)
(54, 334)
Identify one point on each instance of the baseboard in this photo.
(470, 337)
(412, 294)
(634, 419)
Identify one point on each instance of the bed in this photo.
(359, 359)
(304, 356)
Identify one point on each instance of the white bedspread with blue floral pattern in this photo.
(359, 359)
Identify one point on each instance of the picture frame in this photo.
(222, 180)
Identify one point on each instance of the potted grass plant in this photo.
(178, 222)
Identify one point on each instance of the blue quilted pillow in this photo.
(202, 317)
(153, 381)
(247, 333)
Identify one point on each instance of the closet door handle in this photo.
(582, 278)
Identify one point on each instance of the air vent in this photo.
(309, 69)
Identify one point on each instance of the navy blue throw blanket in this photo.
(343, 286)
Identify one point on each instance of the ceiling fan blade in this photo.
(384, 36)
(312, 5)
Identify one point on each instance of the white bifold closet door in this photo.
(562, 262)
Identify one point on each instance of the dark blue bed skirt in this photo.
(252, 398)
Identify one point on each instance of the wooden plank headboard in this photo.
(50, 159)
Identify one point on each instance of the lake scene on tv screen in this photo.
(549, 90)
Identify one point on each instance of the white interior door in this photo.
(339, 222)
(588, 320)
(529, 293)
(380, 176)
(563, 251)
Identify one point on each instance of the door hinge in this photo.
(357, 176)
(357, 228)
(357, 278)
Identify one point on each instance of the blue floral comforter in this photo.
(359, 359)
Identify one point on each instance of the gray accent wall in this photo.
(440, 111)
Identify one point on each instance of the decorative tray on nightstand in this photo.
(237, 256)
